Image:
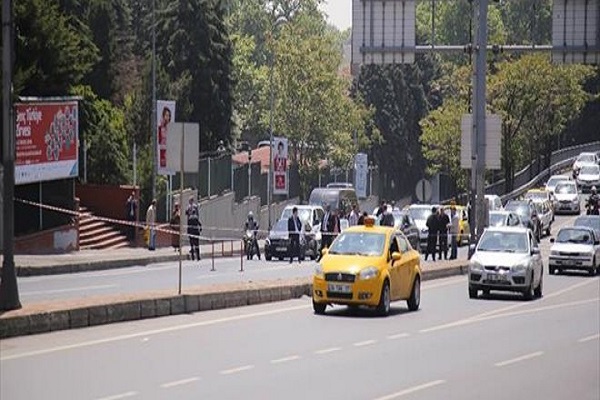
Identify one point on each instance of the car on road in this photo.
(591, 221)
(541, 195)
(585, 158)
(527, 213)
(555, 180)
(588, 177)
(311, 215)
(419, 213)
(494, 202)
(575, 248)
(567, 198)
(277, 243)
(337, 198)
(368, 265)
(404, 222)
(507, 259)
(503, 218)
(545, 216)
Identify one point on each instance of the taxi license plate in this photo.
(337, 288)
(281, 248)
(496, 278)
(568, 262)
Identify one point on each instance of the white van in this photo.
(494, 202)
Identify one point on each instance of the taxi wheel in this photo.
(539, 289)
(473, 293)
(528, 294)
(268, 257)
(383, 308)
(319, 308)
(415, 295)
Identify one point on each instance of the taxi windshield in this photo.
(580, 236)
(566, 188)
(497, 219)
(536, 195)
(359, 243)
(303, 214)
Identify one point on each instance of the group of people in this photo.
(441, 225)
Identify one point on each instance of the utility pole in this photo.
(153, 122)
(9, 291)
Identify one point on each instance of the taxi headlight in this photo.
(475, 266)
(519, 268)
(425, 230)
(319, 271)
(369, 273)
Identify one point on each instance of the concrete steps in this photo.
(98, 235)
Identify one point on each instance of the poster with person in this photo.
(165, 114)
(280, 166)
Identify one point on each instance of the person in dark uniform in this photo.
(432, 235)
(444, 224)
(326, 237)
(194, 228)
(294, 231)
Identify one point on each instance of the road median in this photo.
(72, 314)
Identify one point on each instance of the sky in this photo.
(339, 13)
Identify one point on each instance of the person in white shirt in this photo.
(150, 222)
(454, 221)
(353, 217)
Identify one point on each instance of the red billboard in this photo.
(47, 141)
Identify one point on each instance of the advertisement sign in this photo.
(280, 166)
(165, 114)
(47, 141)
(361, 168)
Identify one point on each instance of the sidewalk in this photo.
(95, 260)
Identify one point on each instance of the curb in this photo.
(24, 322)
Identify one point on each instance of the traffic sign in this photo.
(493, 141)
(423, 190)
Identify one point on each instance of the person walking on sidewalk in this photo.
(432, 226)
(150, 224)
(131, 209)
(454, 221)
(294, 231)
(444, 224)
(174, 223)
(193, 228)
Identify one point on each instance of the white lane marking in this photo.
(179, 382)
(411, 390)
(449, 282)
(77, 289)
(398, 336)
(154, 332)
(365, 343)
(236, 370)
(329, 350)
(519, 359)
(482, 316)
(119, 396)
(589, 338)
(285, 359)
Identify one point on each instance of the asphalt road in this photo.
(165, 276)
(500, 348)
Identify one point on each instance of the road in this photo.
(500, 347)
(165, 276)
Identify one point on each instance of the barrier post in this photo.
(242, 257)
(213, 256)
(231, 248)
(222, 249)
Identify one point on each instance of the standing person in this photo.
(443, 225)
(150, 223)
(432, 226)
(353, 217)
(194, 228)
(380, 210)
(361, 219)
(253, 226)
(174, 223)
(325, 231)
(387, 219)
(335, 225)
(294, 231)
(454, 221)
(131, 216)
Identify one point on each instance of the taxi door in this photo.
(395, 267)
(405, 267)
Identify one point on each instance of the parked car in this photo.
(575, 248)
(545, 216)
(277, 243)
(507, 259)
(336, 198)
(555, 180)
(419, 213)
(313, 215)
(339, 185)
(567, 198)
(405, 223)
(590, 221)
(527, 214)
(589, 176)
(503, 218)
(494, 202)
(368, 266)
(585, 158)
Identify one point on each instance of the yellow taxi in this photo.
(464, 229)
(368, 265)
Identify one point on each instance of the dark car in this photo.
(526, 211)
(276, 245)
(404, 222)
(591, 221)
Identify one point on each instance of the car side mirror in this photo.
(396, 256)
(472, 248)
(325, 251)
(535, 251)
(552, 240)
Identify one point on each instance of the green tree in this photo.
(528, 21)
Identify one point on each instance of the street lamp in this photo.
(249, 173)
(371, 169)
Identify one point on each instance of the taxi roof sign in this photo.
(369, 222)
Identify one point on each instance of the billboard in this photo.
(47, 141)
(280, 166)
(361, 168)
(165, 115)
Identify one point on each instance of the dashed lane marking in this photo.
(285, 359)
(179, 382)
(519, 359)
(329, 350)
(237, 370)
(119, 396)
(411, 390)
(589, 338)
(365, 343)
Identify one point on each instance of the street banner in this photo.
(361, 169)
(47, 141)
(280, 166)
(165, 115)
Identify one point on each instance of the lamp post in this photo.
(249, 173)
(371, 169)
